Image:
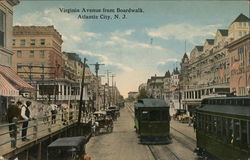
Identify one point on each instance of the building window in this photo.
(42, 53)
(19, 65)
(19, 54)
(30, 64)
(2, 28)
(244, 24)
(13, 42)
(32, 42)
(42, 41)
(32, 53)
(22, 41)
(241, 91)
(42, 64)
(241, 53)
(239, 33)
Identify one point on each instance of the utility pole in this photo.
(112, 91)
(108, 86)
(81, 96)
(97, 67)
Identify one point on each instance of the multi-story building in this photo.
(6, 21)
(37, 53)
(208, 66)
(239, 27)
(155, 87)
(239, 51)
(11, 85)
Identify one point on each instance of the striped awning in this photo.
(15, 80)
(6, 89)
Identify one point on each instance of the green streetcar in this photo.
(152, 121)
(223, 128)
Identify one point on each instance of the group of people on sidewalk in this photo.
(19, 111)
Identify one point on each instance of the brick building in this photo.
(37, 53)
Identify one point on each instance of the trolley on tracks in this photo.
(152, 121)
(223, 128)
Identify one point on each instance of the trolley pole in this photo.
(81, 95)
(97, 67)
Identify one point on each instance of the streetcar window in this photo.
(248, 135)
(239, 101)
(155, 116)
(219, 128)
(164, 115)
(230, 130)
(145, 116)
(243, 125)
(209, 120)
(214, 124)
(237, 132)
(247, 102)
(224, 130)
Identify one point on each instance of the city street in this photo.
(122, 143)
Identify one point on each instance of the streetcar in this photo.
(152, 121)
(223, 128)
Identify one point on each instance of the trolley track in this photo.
(162, 152)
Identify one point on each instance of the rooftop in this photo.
(223, 32)
(36, 30)
(241, 18)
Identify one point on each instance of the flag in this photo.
(235, 65)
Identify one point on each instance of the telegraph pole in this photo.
(108, 94)
(112, 91)
(81, 96)
(97, 67)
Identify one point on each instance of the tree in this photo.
(142, 94)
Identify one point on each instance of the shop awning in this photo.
(14, 79)
(6, 89)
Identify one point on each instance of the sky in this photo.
(140, 45)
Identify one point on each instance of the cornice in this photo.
(13, 2)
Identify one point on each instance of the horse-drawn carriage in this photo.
(103, 121)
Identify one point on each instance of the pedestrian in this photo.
(12, 112)
(25, 114)
(53, 114)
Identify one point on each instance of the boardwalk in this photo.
(38, 131)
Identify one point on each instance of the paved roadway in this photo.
(122, 144)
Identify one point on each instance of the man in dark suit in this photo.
(12, 111)
(25, 114)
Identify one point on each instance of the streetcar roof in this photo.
(69, 142)
(151, 103)
(236, 97)
(226, 109)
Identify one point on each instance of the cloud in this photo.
(105, 60)
(123, 33)
(191, 33)
(169, 64)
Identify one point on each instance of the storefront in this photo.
(11, 85)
